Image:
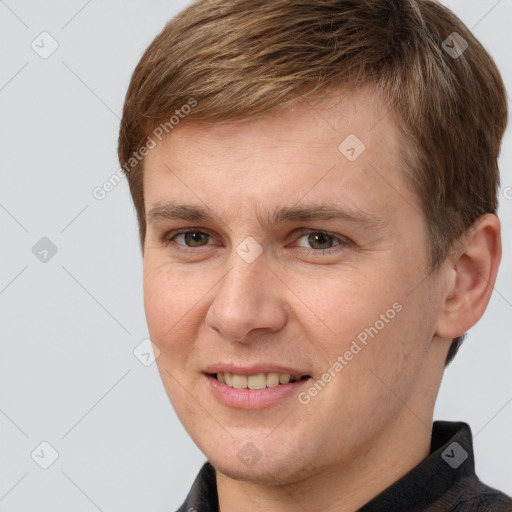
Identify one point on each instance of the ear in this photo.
(471, 273)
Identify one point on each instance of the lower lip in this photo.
(253, 398)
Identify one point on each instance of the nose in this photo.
(249, 299)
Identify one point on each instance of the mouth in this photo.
(258, 381)
(255, 391)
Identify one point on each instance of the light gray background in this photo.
(69, 326)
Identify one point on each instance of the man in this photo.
(315, 184)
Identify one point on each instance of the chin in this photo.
(264, 472)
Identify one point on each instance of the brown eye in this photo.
(192, 238)
(319, 240)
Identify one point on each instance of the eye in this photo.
(317, 241)
(191, 238)
(320, 240)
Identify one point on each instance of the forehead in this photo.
(340, 147)
(322, 121)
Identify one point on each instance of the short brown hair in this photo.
(241, 59)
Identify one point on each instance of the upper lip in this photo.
(253, 369)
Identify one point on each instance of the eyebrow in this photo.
(280, 215)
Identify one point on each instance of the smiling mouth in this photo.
(258, 381)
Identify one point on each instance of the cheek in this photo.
(347, 305)
(170, 307)
(372, 321)
(158, 306)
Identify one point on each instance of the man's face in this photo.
(344, 302)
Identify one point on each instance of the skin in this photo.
(301, 303)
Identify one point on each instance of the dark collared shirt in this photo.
(444, 482)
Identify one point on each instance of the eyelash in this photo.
(343, 241)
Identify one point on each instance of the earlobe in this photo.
(471, 278)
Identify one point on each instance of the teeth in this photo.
(239, 381)
(272, 380)
(284, 378)
(259, 381)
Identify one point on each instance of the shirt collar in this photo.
(451, 460)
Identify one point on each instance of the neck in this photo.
(344, 488)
